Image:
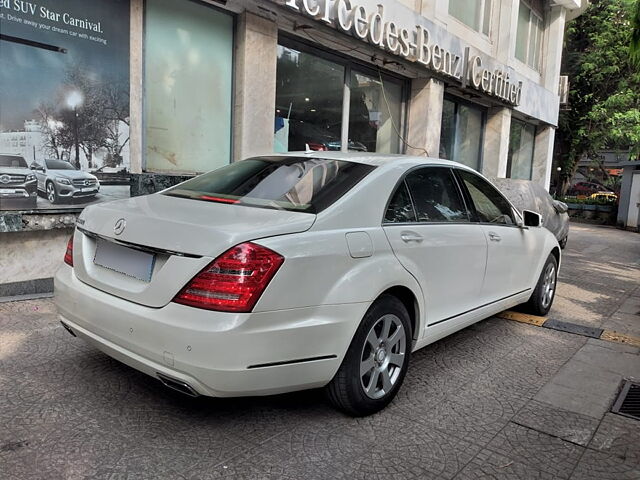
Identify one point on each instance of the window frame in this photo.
(457, 101)
(524, 124)
(540, 38)
(403, 180)
(518, 220)
(350, 64)
(143, 90)
(482, 17)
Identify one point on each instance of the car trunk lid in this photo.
(161, 242)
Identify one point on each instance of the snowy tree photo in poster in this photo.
(64, 103)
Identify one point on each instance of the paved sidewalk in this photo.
(500, 399)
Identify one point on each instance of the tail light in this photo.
(234, 281)
(68, 256)
(318, 147)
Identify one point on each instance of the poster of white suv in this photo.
(60, 181)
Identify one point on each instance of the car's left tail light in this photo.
(68, 256)
(234, 281)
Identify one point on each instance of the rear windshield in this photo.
(285, 183)
(59, 165)
(12, 161)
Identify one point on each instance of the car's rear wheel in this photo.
(376, 362)
(52, 195)
(545, 291)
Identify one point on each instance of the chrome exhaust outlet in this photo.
(67, 328)
(177, 385)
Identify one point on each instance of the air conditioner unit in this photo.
(563, 89)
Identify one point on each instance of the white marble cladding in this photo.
(31, 255)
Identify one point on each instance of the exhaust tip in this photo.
(177, 385)
(68, 328)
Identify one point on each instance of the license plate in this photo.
(127, 261)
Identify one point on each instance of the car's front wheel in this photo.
(376, 362)
(545, 291)
(52, 195)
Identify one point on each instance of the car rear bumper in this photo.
(215, 353)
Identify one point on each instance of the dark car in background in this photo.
(528, 195)
(17, 183)
(586, 189)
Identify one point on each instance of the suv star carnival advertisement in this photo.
(64, 103)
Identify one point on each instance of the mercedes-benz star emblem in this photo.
(5, 178)
(118, 228)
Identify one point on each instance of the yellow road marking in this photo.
(607, 335)
(523, 318)
(612, 336)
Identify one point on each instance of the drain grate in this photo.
(628, 402)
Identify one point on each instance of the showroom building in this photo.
(212, 82)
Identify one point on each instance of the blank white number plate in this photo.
(128, 261)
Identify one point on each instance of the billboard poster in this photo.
(64, 103)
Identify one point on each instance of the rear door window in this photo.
(287, 183)
(400, 209)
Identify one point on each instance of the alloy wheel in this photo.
(548, 285)
(383, 355)
(51, 192)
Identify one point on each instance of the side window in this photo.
(436, 196)
(400, 209)
(491, 206)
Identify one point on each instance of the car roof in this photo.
(375, 159)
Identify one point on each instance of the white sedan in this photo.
(298, 271)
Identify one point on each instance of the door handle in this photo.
(411, 237)
(494, 237)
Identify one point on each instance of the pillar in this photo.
(255, 84)
(425, 117)
(543, 156)
(495, 148)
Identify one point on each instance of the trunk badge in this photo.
(119, 226)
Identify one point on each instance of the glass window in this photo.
(400, 209)
(309, 105)
(529, 36)
(374, 114)
(435, 196)
(490, 205)
(14, 161)
(520, 156)
(308, 102)
(284, 183)
(188, 84)
(461, 133)
(476, 14)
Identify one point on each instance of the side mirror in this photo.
(532, 219)
(560, 207)
(33, 167)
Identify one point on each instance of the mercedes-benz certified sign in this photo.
(118, 228)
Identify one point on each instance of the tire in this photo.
(363, 394)
(51, 193)
(545, 291)
(563, 242)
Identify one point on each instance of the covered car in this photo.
(528, 195)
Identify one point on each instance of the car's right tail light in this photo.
(68, 255)
(234, 281)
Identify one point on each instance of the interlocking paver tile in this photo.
(537, 450)
(618, 436)
(566, 425)
(491, 465)
(599, 466)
